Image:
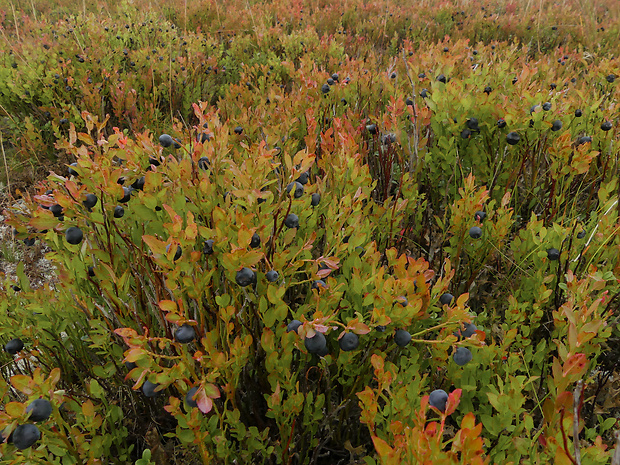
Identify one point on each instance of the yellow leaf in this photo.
(168, 306)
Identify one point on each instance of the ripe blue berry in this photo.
(462, 356)
(402, 337)
(438, 399)
(349, 341)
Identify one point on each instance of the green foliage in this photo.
(401, 178)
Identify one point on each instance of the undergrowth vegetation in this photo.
(308, 233)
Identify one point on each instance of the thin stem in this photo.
(6, 166)
(576, 405)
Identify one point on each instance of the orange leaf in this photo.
(88, 409)
(22, 383)
(382, 447)
(576, 364)
(156, 246)
(134, 354)
(15, 409)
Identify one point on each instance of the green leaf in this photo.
(96, 390)
(186, 436)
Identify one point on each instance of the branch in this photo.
(564, 439)
(615, 460)
(576, 405)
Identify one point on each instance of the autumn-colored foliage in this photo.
(377, 156)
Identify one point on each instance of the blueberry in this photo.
(293, 325)
(238, 130)
(318, 283)
(513, 138)
(581, 234)
(126, 195)
(165, 140)
(472, 123)
(25, 436)
(201, 138)
(371, 128)
(71, 171)
(138, 184)
(487, 90)
(303, 178)
(475, 232)
(208, 247)
(119, 211)
(255, 241)
(606, 125)
(578, 113)
(501, 123)
(130, 365)
(177, 254)
(446, 299)
(148, 389)
(402, 337)
(442, 78)
(465, 134)
(245, 277)
(40, 409)
(299, 189)
(272, 276)
(90, 201)
(189, 397)
(56, 210)
(557, 125)
(316, 198)
(316, 344)
(480, 216)
(185, 334)
(546, 106)
(584, 140)
(462, 356)
(553, 254)
(438, 399)
(469, 329)
(349, 341)
(14, 346)
(74, 235)
(325, 88)
(291, 221)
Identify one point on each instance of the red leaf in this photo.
(205, 404)
(454, 399)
